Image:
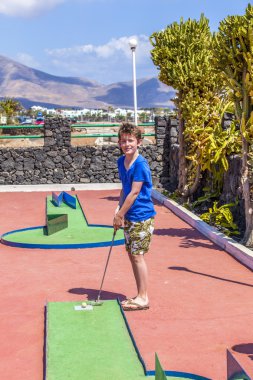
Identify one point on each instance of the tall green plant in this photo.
(184, 57)
(234, 57)
(209, 144)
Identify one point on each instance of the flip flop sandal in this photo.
(130, 305)
(126, 301)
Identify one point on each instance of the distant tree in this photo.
(99, 117)
(159, 111)
(234, 57)
(110, 111)
(87, 116)
(129, 116)
(120, 118)
(30, 112)
(10, 107)
(143, 117)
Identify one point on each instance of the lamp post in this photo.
(133, 45)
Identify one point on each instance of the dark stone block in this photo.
(49, 141)
(95, 168)
(63, 152)
(161, 129)
(65, 165)
(48, 163)
(7, 155)
(57, 159)
(8, 165)
(68, 159)
(111, 165)
(52, 153)
(173, 132)
(160, 136)
(96, 160)
(48, 133)
(28, 164)
(161, 123)
(173, 122)
(58, 173)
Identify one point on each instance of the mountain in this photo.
(31, 86)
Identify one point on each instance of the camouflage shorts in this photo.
(138, 236)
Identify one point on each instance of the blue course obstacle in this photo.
(57, 199)
(63, 197)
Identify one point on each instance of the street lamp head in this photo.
(133, 43)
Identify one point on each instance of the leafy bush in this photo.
(222, 218)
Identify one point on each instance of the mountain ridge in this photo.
(34, 87)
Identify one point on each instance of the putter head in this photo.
(95, 303)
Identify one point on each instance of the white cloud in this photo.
(27, 60)
(26, 7)
(115, 47)
(107, 63)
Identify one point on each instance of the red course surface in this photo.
(201, 298)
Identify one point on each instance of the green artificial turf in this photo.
(77, 232)
(92, 345)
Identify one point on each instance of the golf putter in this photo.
(97, 302)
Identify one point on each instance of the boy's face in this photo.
(129, 143)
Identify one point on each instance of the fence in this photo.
(12, 128)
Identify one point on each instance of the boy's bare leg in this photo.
(141, 277)
(135, 274)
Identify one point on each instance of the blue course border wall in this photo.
(58, 246)
(182, 375)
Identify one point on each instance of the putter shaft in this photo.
(106, 265)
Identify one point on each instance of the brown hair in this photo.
(130, 129)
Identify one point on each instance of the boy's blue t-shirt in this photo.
(139, 171)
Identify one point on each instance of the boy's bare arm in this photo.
(120, 202)
(118, 219)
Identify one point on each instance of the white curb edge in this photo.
(59, 187)
(237, 250)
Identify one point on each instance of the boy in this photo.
(136, 209)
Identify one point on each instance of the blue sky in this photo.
(89, 38)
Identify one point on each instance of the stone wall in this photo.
(167, 141)
(59, 162)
